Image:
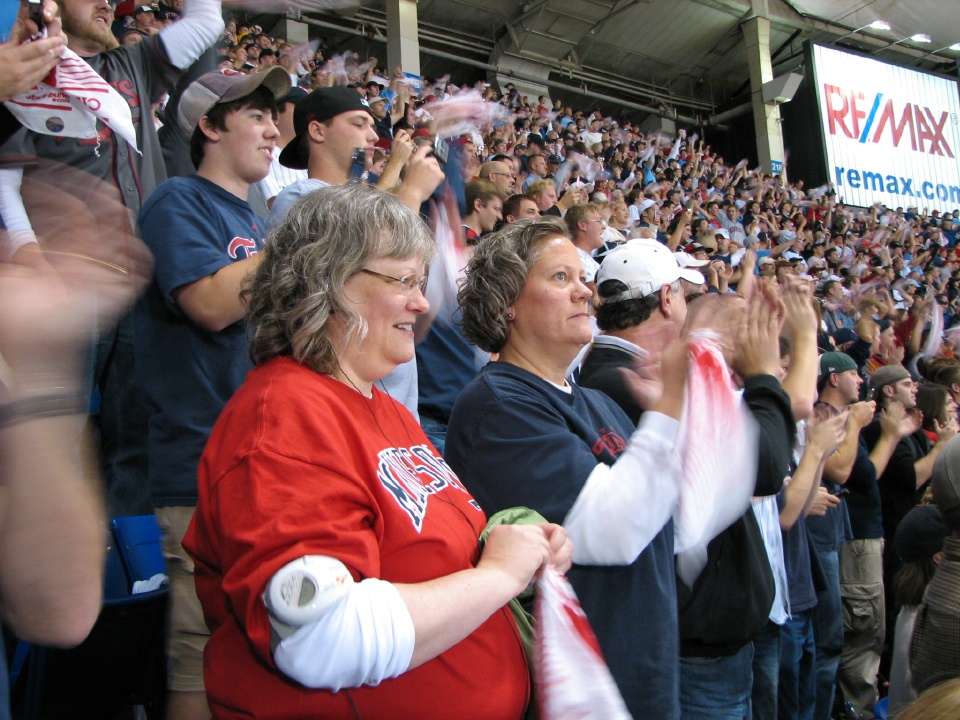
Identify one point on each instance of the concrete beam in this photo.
(766, 116)
(403, 41)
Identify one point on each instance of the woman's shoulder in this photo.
(290, 408)
(503, 382)
(501, 387)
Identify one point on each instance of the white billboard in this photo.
(891, 135)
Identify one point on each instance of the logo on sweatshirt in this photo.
(412, 475)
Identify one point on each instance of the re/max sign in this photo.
(865, 120)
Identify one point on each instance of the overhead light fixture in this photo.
(955, 47)
(917, 38)
(875, 25)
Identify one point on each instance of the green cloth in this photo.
(523, 618)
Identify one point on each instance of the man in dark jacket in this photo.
(729, 602)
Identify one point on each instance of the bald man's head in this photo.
(500, 174)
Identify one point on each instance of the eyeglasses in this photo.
(603, 223)
(408, 283)
(510, 175)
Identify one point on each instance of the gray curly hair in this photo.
(496, 274)
(326, 238)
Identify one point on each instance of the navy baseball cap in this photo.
(293, 97)
(920, 534)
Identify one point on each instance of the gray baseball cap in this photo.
(222, 86)
(887, 375)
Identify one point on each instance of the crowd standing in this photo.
(730, 399)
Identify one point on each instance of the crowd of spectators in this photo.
(875, 292)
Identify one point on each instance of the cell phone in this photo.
(35, 13)
(359, 164)
(441, 150)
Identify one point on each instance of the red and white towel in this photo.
(718, 449)
(572, 678)
(71, 100)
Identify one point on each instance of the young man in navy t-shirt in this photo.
(191, 345)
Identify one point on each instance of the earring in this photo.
(510, 315)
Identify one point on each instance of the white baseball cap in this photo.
(644, 266)
(646, 205)
(686, 260)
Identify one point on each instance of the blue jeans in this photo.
(828, 634)
(796, 692)
(717, 688)
(766, 672)
(436, 431)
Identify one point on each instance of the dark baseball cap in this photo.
(223, 86)
(836, 362)
(293, 97)
(320, 105)
(920, 534)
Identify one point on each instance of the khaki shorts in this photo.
(187, 632)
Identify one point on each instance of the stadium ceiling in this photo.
(685, 56)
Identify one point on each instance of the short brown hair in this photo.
(261, 99)
(577, 213)
(482, 190)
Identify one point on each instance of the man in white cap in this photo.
(650, 218)
(639, 284)
(686, 260)
(191, 341)
(145, 19)
(640, 288)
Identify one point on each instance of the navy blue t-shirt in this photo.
(514, 439)
(446, 362)
(194, 228)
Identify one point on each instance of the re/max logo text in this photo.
(880, 119)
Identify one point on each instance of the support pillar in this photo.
(403, 42)
(295, 33)
(766, 116)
